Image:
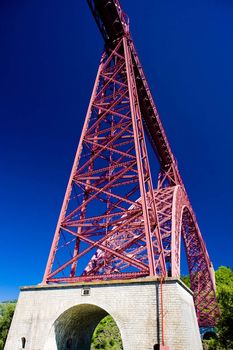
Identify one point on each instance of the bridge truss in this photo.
(114, 223)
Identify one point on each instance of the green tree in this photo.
(107, 335)
(224, 279)
(6, 314)
(224, 283)
(186, 280)
(225, 324)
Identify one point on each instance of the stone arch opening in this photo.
(74, 328)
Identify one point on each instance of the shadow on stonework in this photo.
(74, 328)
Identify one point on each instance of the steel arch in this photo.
(177, 220)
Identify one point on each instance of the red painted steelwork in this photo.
(111, 170)
(113, 224)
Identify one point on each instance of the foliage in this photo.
(224, 285)
(6, 314)
(225, 324)
(224, 282)
(107, 335)
(224, 279)
(186, 280)
(209, 344)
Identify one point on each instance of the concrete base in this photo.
(64, 317)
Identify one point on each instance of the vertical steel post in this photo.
(69, 186)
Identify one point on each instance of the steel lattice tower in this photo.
(114, 222)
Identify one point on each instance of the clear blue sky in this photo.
(49, 53)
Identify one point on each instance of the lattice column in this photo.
(110, 188)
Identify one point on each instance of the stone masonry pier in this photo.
(60, 317)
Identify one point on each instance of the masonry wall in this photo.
(134, 305)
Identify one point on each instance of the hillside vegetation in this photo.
(6, 314)
(224, 284)
(106, 335)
